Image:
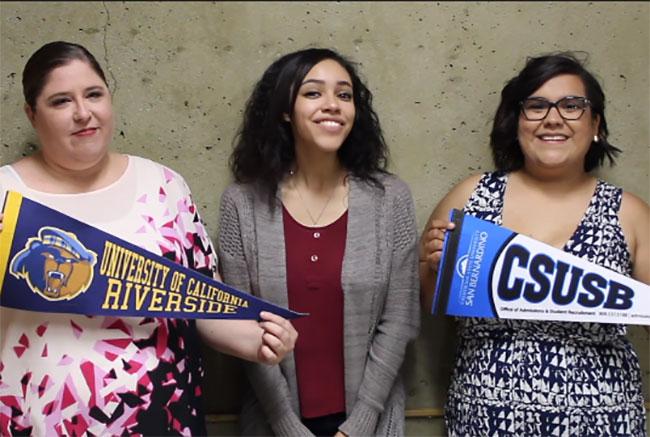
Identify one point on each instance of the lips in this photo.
(331, 125)
(85, 132)
(553, 137)
(330, 122)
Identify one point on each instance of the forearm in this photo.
(269, 383)
(240, 338)
(387, 350)
(382, 368)
(396, 325)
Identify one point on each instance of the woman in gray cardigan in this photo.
(315, 222)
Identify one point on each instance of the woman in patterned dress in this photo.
(520, 377)
(64, 374)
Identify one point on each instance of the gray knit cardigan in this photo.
(381, 303)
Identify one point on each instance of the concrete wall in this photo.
(181, 73)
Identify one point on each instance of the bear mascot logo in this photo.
(55, 264)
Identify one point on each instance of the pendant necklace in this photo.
(304, 204)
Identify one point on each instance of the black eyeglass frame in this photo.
(585, 101)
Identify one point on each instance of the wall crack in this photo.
(106, 60)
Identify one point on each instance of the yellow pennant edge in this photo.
(11, 211)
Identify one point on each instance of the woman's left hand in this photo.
(432, 242)
(278, 339)
(340, 434)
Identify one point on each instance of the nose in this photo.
(553, 116)
(331, 103)
(81, 112)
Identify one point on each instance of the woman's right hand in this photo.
(432, 242)
(433, 237)
(278, 339)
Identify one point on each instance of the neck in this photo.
(316, 191)
(318, 173)
(76, 178)
(555, 179)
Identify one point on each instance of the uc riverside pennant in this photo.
(490, 271)
(51, 262)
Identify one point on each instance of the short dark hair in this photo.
(264, 145)
(47, 58)
(506, 150)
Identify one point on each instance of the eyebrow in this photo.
(66, 93)
(322, 82)
(569, 96)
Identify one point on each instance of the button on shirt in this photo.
(314, 259)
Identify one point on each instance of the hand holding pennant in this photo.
(490, 271)
(51, 262)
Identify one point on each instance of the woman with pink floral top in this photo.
(65, 374)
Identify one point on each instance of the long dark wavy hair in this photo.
(506, 150)
(264, 148)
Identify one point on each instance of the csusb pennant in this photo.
(55, 264)
(535, 276)
(491, 271)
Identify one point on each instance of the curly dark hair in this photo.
(506, 150)
(50, 56)
(264, 148)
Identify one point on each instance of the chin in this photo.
(328, 148)
(553, 164)
(88, 157)
(553, 157)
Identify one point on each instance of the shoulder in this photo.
(7, 173)
(16, 172)
(243, 197)
(631, 207)
(394, 185)
(634, 216)
(6, 179)
(390, 186)
(465, 187)
(634, 208)
(238, 192)
(141, 164)
(458, 196)
(634, 201)
(460, 193)
(159, 179)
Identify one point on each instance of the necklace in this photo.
(304, 204)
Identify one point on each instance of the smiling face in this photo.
(554, 142)
(73, 116)
(323, 113)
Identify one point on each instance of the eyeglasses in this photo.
(569, 108)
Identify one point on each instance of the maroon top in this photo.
(314, 263)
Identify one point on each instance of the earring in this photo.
(596, 139)
(286, 117)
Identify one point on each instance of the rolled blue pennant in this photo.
(490, 271)
(51, 262)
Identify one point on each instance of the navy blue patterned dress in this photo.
(532, 378)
